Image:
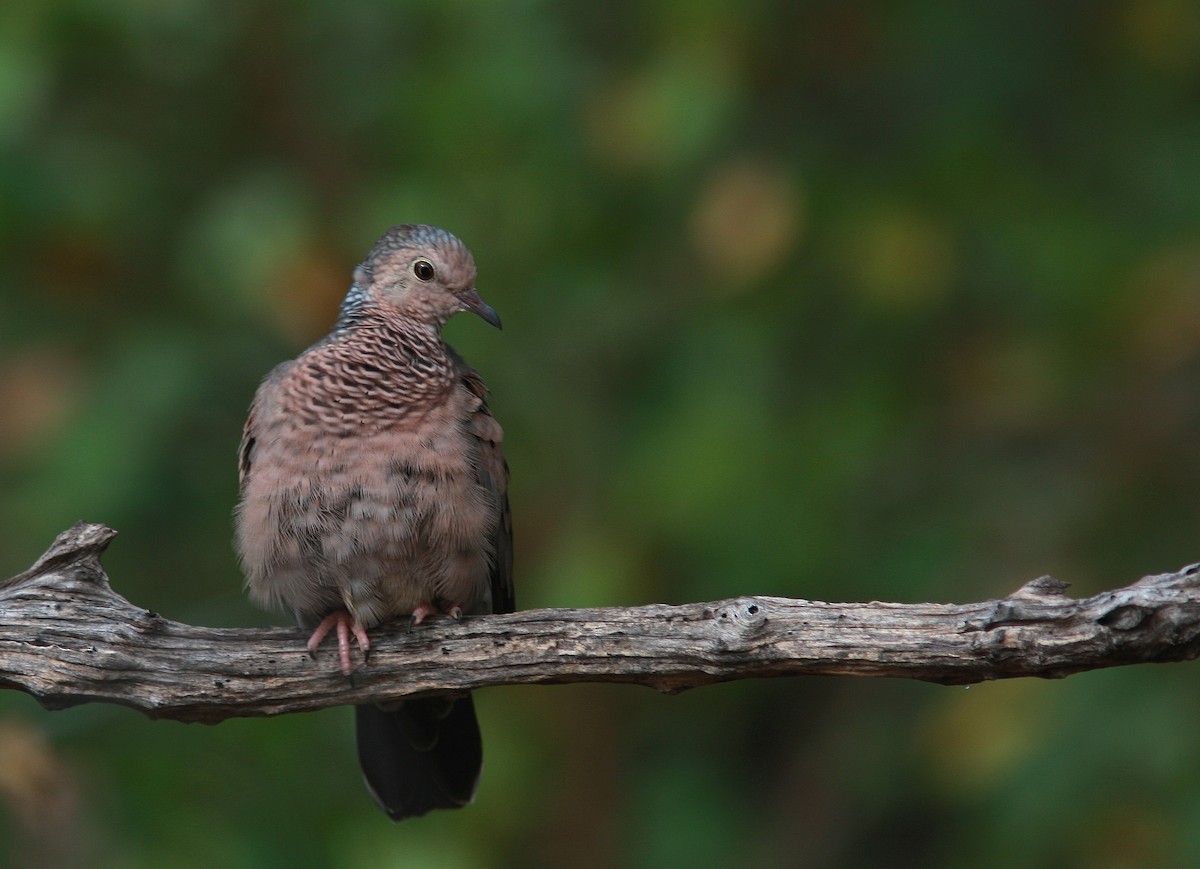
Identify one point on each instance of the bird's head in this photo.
(421, 272)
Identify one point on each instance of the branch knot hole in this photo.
(746, 615)
(1124, 618)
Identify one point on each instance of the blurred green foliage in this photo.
(838, 300)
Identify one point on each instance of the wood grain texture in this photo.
(67, 638)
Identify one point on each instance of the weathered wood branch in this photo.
(67, 638)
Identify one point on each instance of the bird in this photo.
(373, 487)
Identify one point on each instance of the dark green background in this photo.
(838, 300)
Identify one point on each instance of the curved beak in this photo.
(471, 301)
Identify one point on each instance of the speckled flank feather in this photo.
(372, 480)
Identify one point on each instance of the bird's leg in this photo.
(345, 625)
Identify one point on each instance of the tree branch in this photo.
(67, 638)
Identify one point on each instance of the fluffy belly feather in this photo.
(361, 524)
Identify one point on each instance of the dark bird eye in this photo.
(423, 269)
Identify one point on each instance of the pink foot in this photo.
(420, 613)
(346, 626)
(427, 609)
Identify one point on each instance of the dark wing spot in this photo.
(400, 468)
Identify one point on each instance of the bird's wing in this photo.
(246, 447)
(492, 474)
(250, 430)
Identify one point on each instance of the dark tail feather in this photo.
(420, 755)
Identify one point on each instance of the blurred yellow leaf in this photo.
(749, 218)
(1165, 307)
(897, 257)
(1161, 33)
(38, 390)
(979, 735)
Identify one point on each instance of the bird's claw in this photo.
(345, 626)
(425, 610)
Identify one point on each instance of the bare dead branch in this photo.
(67, 638)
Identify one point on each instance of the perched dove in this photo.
(373, 487)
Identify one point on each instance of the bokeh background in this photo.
(841, 300)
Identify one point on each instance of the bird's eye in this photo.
(423, 269)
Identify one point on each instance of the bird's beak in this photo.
(471, 301)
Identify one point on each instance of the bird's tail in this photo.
(421, 754)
